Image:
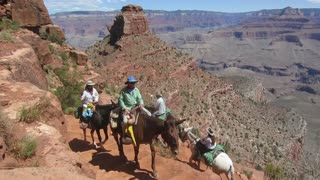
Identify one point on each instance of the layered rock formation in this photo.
(131, 21)
(289, 24)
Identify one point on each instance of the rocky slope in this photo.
(257, 133)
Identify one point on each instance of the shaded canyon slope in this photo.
(256, 133)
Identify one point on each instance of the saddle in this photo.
(212, 154)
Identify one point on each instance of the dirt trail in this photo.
(106, 164)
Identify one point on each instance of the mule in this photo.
(146, 131)
(99, 120)
(221, 164)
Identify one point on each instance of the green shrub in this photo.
(5, 36)
(69, 94)
(7, 24)
(273, 171)
(4, 125)
(29, 115)
(64, 56)
(28, 147)
(52, 49)
(51, 37)
(24, 148)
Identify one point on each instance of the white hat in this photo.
(158, 93)
(89, 83)
(210, 131)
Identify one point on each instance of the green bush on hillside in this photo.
(7, 24)
(24, 148)
(69, 94)
(273, 171)
(29, 115)
(5, 36)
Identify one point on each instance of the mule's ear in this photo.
(180, 121)
(112, 102)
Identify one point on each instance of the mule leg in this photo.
(99, 136)
(153, 160)
(136, 153)
(119, 144)
(106, 136)
(93, 142)
(84, 134)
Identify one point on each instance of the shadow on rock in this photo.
(108, 162)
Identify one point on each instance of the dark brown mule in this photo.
(99, 120)
(146, 132)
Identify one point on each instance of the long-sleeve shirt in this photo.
(160, 107)
(88, 97)
(208, 143)
(130, 98)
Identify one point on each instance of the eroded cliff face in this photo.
(289, 26)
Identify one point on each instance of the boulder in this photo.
(80, 57)
(30, 13)
(53, 30)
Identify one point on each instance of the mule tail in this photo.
(230, 172)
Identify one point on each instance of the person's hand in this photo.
(140, 106)
(126, 112)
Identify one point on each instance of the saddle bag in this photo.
(77, 113)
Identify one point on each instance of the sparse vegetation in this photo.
(247, 173)
(24, 148)
(8, 25)
(29, 115)
(274, 172)
(4, 125)
(5, 36)
(51, 37)
(52, 49)
(69, 94)
(64, 56)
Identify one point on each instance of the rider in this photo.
(130, 97)
(206, 144)
(89, 98)
(160, 105)
(210, 140)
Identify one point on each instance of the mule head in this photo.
(183, 133)
(170, 134)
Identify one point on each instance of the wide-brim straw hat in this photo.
(90, 83)
(210, 131)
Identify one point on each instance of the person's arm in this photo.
(95, 95)
(83, 97)
(139, 97)
(121, 101)
(156, 106)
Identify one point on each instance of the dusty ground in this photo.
(104, 163)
